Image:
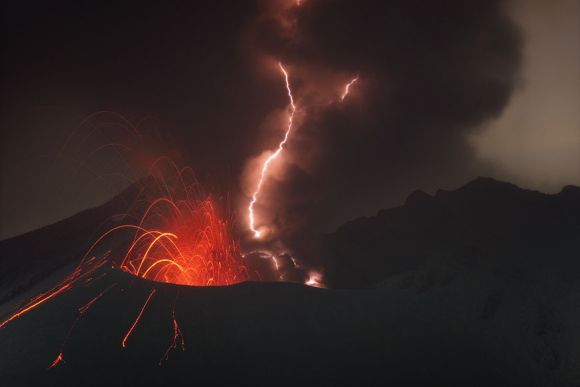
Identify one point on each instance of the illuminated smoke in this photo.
(314, 279)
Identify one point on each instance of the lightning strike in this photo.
(273, 156)
(33, 305)
(347, 88)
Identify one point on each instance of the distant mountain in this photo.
(486, 222)
(31, 257)
(499, 263)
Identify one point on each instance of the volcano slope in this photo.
(509, 316)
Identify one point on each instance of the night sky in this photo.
(447, 91)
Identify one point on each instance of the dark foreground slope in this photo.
(473, 287)
(254, 334)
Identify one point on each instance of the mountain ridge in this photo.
(482, 215)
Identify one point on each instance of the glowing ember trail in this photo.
(82, 310)
(273, 156)
(47, 296)
(56, 361)
(199, 250)
(124, 342)
(347, 88)
(177, 338)
(179, 237)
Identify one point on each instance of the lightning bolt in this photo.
(347, 88)
(273, 156)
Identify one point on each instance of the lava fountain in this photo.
(181, 236)
(194, 248)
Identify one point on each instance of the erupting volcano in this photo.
(181, 236)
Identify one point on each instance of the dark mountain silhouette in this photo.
(31, 257)
(484, 222)
(473, 287)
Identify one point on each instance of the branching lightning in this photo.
(273, 156)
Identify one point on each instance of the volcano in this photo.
(477, 286)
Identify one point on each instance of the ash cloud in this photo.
(430, 72)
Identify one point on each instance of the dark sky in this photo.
(433, 78)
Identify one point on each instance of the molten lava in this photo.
(180, 237)
(193, 247)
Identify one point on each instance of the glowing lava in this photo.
(124, 342)
(194, 247)
(181, 237)
(273, 156)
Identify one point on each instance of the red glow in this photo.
(198, 250)
(180, 236)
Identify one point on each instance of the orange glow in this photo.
(272, 157)
(180, 236)
(124, 342)
(347, 88)
(82, 310)
(200, 250)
